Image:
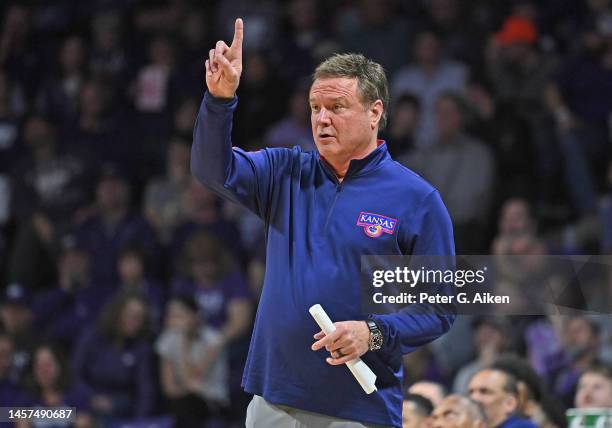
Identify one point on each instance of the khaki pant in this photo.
(261, 414)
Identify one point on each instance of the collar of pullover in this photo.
(364, 165)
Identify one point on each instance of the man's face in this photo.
(448, 118)
(487, 388)
(411, 416)
(594, 390)
(453, 413)
(341, 124)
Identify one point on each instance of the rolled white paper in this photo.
(360, 370)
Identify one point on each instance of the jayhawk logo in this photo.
(375, 225)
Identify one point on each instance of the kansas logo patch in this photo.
(375, 225)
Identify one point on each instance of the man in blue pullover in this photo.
(322, 211)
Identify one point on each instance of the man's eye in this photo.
(338, 106)
(314, 108)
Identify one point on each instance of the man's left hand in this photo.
(349, 341)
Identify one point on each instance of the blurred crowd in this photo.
(129, 290)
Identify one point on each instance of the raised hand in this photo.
(224, 65)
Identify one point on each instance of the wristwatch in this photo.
(375, 342)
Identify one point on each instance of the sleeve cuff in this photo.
(220, 103)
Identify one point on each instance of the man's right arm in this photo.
(231, 172)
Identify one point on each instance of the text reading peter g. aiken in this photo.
(433, 277)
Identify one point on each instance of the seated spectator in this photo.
(203, 212)
(430, 77)
(404, 116)
(114, 227)
(64, 311)
(497, 392)
(114, 360)
(162, 200)
(193, 366)
(59, 96)
(294, 128)
(457, 411)
(134, 278)
(415, 411)
(49, 385)
(433, 391)
(16, 320)
(595, 387)
(213, 280)
(490, 339)
(462, 169)
(11, 393)
(534, 400)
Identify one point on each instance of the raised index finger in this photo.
(238, 34)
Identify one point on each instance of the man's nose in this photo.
(323, 116)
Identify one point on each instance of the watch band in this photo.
(375, 341)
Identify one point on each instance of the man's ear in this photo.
(376, 109)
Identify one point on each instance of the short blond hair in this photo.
(372, 82)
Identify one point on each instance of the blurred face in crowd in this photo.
(404, 119)
(93, 101)
(6, 356)
(161, 51)
(16, 317)
(456, 411)
(487, 388)
(579, 337)
(412, 416)
(72, 55)
(515, 219)
(185, 116)
(298, 107)
(303, 14)
(430, 390)
(594, 390)
(74, 264)
(178, 161)
(38, 135)
(112, 194)
(427, 49)
(488, 337)
(132, 318)
(131, 269)
(342, 126)
(444, 12)
(448, 118)
(180, 317)
(46, 368)
(375, 12)
(256, 70)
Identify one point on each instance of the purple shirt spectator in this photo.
(213, 300)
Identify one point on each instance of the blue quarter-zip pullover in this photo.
(314, 244)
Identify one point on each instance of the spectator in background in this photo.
(135, 278)
(50, 385)
(162, 202)
(203, 212)
(375, 23)
(457, 411)
(463, 171)
(429, 78)
(490, 339)
(184, 118)
(193, 366)
(113, 227)
(48, 191)
(262, 95)
(294, 128)
(96, 135)
(510, 138)
(595, 387)
(59, 96)
(515, 222)
(18, 53)
(415, 411)
(65, 310)
(215, 282)
(114, 360)
(108, 60)
(16, 320)
(497, 392)
(433, 391)
(403, 122)
(10, 100)
(11, 393)
(534, 400)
